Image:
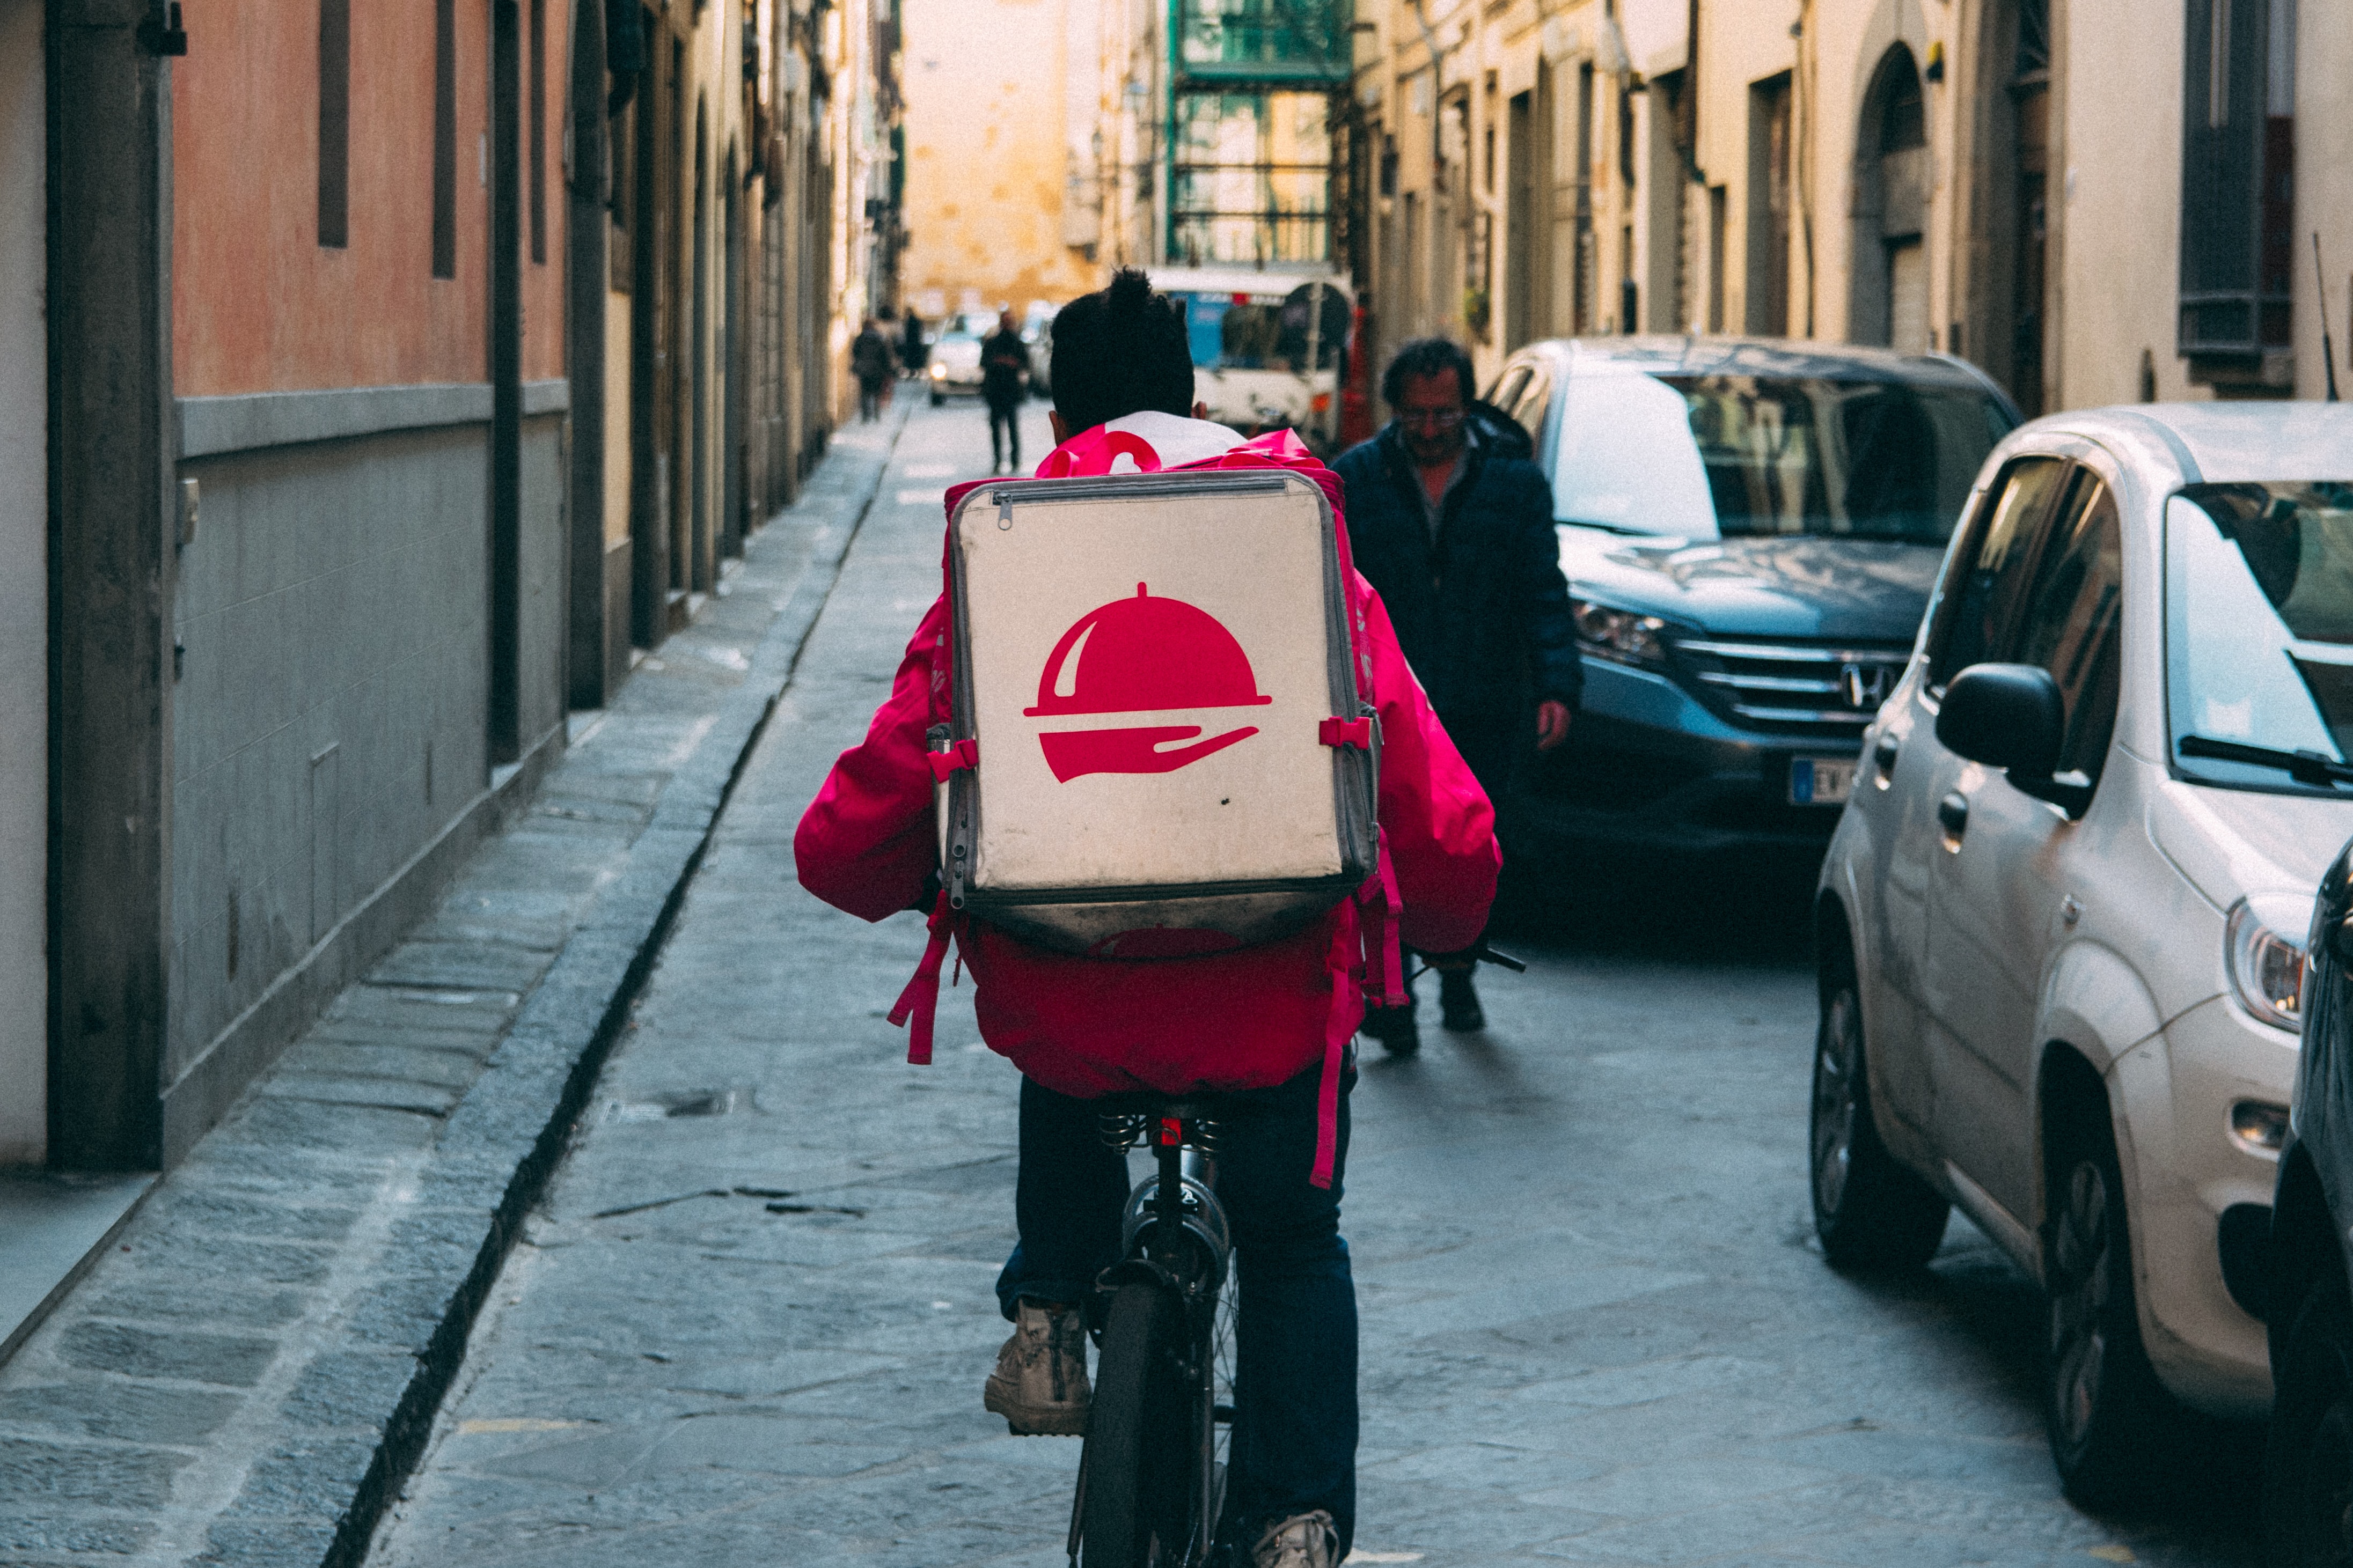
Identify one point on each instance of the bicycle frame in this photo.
(1174, 1235)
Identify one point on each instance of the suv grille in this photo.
(1829, 689)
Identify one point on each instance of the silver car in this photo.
(2061, 925)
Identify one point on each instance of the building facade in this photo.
(1004, 101)
(2096, 200)
(373, 383)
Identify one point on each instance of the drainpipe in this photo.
(506, 381)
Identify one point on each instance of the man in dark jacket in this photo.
(1004, 383)
(870, 361)
(1450, 520)
(914, 353)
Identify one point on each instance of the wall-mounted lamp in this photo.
(1936, 68)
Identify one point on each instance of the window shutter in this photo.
(2225, 297)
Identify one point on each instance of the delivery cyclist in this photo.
(1258, 1019)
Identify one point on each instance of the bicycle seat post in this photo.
(1168, 1149)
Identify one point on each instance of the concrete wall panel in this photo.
(540, 695)
(24, 592)
(333, 610)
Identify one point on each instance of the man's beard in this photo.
(1431, 451)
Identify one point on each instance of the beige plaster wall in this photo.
(987, 92)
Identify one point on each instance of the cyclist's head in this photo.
(1120, 351)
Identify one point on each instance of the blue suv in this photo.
(1750, 530)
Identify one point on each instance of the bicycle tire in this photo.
(1138, 1460)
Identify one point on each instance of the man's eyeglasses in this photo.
(1431, 419)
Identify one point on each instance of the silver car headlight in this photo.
(1620, 634)
(939, 371)
(2263, 945)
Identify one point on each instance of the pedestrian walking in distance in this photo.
(1452, 522)
(914, 353)
(1258, 1021)
(1004, 387)
(870, 361)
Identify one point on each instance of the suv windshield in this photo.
(2259, 632)
(1707, 456)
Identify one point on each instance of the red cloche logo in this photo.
(1141, 655)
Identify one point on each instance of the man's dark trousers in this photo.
(1004, 431)
(1294, 1436)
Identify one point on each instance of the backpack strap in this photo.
(1338, 1026)
(918, 1006)
(1377, 907)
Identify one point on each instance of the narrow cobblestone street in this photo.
(750, 1322)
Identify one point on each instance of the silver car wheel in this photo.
(1837, 1052)
(2083, 1254)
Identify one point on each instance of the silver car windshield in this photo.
(1712, 456)
(2259, 633)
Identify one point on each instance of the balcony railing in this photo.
(1269, 41)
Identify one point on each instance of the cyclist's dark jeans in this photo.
(1295, 1438)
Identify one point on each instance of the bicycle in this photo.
(1152, 1472)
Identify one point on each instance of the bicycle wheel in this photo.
(1140, 1458)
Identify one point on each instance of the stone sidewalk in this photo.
(252, 1372)
(749, 1322)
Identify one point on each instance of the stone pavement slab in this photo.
(750, 1320)
(247, 1374)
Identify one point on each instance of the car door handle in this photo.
(1953, 811)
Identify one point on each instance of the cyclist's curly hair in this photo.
(1429, 356)
(1120, 351)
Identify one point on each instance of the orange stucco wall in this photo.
(258, 305)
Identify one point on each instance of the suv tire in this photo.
(2116, 1434)
(2308, 1457)
(1871, 1212)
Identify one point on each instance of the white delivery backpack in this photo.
(1158, 749)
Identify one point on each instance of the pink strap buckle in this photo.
(955, 759)
(1356, 732)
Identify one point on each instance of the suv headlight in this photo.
(2263, 949)
(1621, 635)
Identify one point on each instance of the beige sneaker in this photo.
(1304, 1540)
(1040, 1386)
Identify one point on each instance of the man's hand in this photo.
(1552, 724)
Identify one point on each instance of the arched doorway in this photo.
(1889, 293)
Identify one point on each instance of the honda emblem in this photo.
(1864, 686)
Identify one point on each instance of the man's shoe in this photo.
(1303, 1540)
(1040, 1386)
(1394, 1028)
(1457, 1002)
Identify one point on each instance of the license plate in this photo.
(1820, 780)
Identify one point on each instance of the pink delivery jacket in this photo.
(1248, 1018)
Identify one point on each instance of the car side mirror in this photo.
(2010, 716)
(2004, 715)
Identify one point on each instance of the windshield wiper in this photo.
(2305, 767)
(1610, 527)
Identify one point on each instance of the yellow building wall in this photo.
(984, 84)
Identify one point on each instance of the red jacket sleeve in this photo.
(868, 841)
(1438, 825)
